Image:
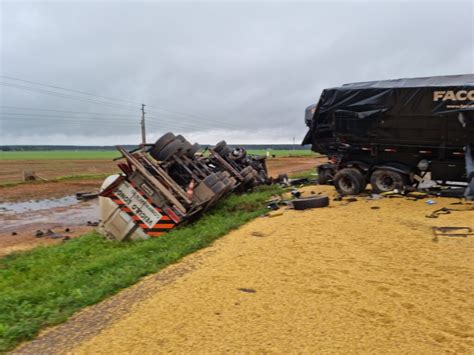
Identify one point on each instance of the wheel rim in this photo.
(386, 182)
(346, 184)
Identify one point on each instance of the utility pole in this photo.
(294, 143)
(143, 125)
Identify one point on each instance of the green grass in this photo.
(60, 155)
(46, 285)
(108, 155)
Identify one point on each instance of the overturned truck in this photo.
(393, 133)
(171, 182)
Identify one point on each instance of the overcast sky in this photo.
(243, 72)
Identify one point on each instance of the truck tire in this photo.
(349, 181)
(210, 180)
(181, 138)
(218, 187)
(310, 202)
(193, 150)
(246, 170)
(174, 147)
(384, 180)
(324, 175)
(219, 146)
(162, 142)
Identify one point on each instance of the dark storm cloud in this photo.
(252, 67)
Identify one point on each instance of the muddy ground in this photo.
(12, 170)
(26, 208)
(360, 276)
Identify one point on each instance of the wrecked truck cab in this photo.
(394, 132)
(167, 184)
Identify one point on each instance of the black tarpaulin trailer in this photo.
(404, 127)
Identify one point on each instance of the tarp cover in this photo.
(419, 98)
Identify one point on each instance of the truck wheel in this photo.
(191, 151)
(162, 142)
(218, 187)
(174, 147)
(349, 181)
(210, 180)
(383, 180)
(219, 146)
(324, 175)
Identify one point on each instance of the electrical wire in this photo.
(172, 112)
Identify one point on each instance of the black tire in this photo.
(162, 142)
(211, 180)
(310, 202)
(181, 138)
(219, 146)
(174, 147)
(247, 170)
(218, 187)
(384, 180)
(248, 178)
(225, 152)
(349, 181)
(186, 146)
(324, 175)
(193, 150)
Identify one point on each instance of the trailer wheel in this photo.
(246, 170)
(191, 151)
(349, 181)
(218, 187)
(210, 180)
(324, 175)
(172, 148)
(383, 180)
(219, 146)
(162, 142)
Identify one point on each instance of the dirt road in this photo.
(356, 277)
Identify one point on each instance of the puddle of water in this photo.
(76, 214)
(29, 206)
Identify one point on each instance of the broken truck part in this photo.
(169, 183)
(393, 133)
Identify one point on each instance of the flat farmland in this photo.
(58, 164)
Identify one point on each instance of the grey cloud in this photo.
(253, 67)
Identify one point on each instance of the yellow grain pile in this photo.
(344, 279)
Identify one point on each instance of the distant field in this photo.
(106, 154)
(60, 155)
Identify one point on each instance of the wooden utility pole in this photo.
(143, 125)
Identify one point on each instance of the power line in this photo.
(182, 114)
(72, 97)
(71, 90)
(151, 119)
(61, 111)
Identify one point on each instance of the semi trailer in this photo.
(393, 133)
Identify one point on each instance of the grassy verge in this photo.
(46, 285)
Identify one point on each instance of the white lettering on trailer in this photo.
(138, 204)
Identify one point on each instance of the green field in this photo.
(111, 154)
(46, 285)
(60, 155)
